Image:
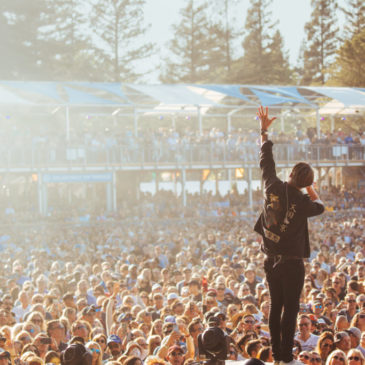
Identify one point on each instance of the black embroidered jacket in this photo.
(283, 221)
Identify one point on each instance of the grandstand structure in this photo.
(65, 104)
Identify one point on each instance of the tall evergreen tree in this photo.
(119, 27)
(264, 60)
(223, 15)
(349, 68)
(354, 11)
(321, 42)
(196, 51)
(280, 72)
(69, 54)
(20, 46)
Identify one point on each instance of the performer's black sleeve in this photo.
(267, 165)
(312, 208)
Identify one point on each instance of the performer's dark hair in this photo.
(302, 175)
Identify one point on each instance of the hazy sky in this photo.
(292, 15)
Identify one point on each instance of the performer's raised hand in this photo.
(265, 121)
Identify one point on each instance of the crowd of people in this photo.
(173, 145)
(140, 290)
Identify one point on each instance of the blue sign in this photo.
(71, 178)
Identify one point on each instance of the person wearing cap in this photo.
(88, 315)
(250, 278)
(355, 337)
(283, 226)
(114, 344)
(342, 341)
(171, 298)
(175, 355)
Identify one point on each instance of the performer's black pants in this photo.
(286, 280)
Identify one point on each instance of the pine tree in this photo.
(119, 27)
(195, 48)
(222, 13)
(355, 17)
(280, 72)
(69, 54)
(349, 68)
(264, 57)
(321, 42)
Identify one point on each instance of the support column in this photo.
(216, 182)
(318, 118)
(282, 123)
(44, 199)
(174, 122)
(249, 188)
(67, 123)
(183, 183)
(156, 181)
(200, 119)
(135, 122)
(40, 193)
(109, 199)
(175, 184)
(230, 178)
(332, 124)
(229, 123)
(114, 191)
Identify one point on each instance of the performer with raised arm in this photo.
(284, 229)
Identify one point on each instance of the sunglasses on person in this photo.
(100, 340)
(113, 345)
(315, 359)
(176, 354)
(362, 316)
(339, 358)
(351, 301)
(303, 324)
(355, 358)
(97, 351)
(327, 345)
(304, 356)
(248, 321)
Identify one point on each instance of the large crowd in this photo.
(118, 145)
(140, 288)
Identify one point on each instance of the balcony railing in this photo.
(173, 155)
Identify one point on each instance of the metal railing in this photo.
(189, 154)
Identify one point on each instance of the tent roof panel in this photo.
(347, 96)
(7, 97)
(172, 94)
